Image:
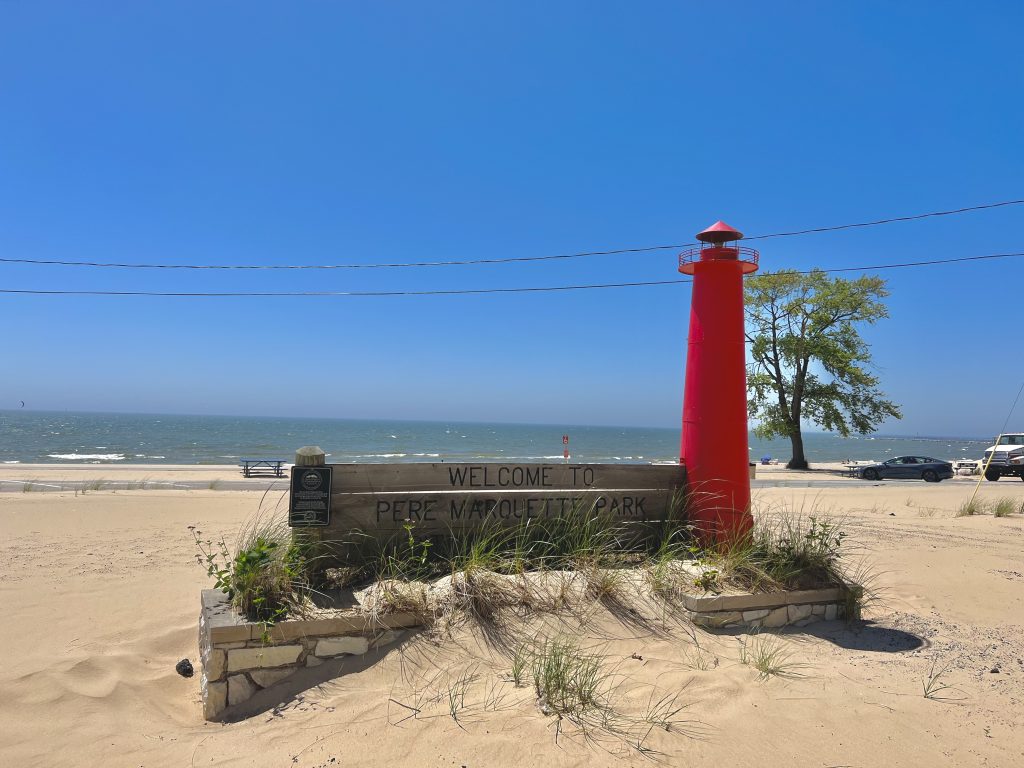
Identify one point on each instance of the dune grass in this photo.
(1006, 506)
(567, 681)
(269, 570)
(1001, 507)
(970, 508)
(768, 655)
(785, 550)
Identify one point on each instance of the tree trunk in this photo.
(798, 461)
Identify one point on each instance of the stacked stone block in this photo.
(241, 658)
(772, 610)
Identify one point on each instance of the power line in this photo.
(441, 292)
(929, 263)
(470, 291)
(510, 260)
(892, 220)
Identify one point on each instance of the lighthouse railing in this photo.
(742, 253)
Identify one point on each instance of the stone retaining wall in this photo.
(772, 610)
(240, 658)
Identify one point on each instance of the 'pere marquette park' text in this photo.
(479, 493)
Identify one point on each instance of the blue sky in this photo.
(273, 133)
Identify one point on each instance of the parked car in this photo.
(966, 467)
(909, 468)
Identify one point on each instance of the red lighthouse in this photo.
(714, 441)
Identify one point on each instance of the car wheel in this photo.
(870, 474)
(992, 476)
(929, 476)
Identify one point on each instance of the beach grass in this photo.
(582, 553)
(768, 655)
(1006, 506)
(1001, 507)
(970, 508)
(567, 681)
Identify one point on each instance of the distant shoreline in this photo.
(457, 422)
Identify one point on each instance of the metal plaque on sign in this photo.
(310, 502)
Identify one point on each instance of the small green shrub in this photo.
(708, 580)
(265, 578)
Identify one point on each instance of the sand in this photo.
(102, 597)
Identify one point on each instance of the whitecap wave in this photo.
(87, 456)
(531, 458)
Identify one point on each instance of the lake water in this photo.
(54, 438)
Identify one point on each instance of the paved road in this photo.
(833, 483)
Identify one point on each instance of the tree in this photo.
(810, 363)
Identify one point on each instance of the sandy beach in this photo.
(102, 598)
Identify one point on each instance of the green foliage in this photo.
(933, 686)
(768, 656)
(788, 552)
(566, 680)
(267, 575)
(810, 362)
(574, 686)
(970, 508)
(1002, 507)
(708, 580)
(406, 559)
(520, 662)
(1006, 506)
(580, 539)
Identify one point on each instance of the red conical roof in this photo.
(719, 232)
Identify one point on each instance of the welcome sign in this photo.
(437, 497)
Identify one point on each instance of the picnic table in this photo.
(249, 466)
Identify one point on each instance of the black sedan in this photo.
(909, 468)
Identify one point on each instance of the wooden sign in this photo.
(383, 498)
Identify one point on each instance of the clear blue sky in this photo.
(282, 133)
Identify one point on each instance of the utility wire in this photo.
(510, 260)
(477, 291)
